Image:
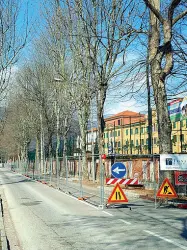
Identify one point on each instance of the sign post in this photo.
(102, 180)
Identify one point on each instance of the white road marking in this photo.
(165, 239)
(77, 199)
(107, 213)
(126, 222)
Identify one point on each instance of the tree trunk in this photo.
(83, 123)
(37, 155)
(161, 63)
(164, 123)
(101, 96)
(63, 166)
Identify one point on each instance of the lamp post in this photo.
(57, 111)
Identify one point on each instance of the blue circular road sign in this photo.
(118, 170)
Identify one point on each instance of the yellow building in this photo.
(127, 133)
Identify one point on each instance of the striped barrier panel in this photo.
(113, 181)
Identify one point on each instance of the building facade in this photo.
(127, 131)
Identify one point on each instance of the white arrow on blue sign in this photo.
(118, 170)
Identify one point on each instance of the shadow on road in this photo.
(184, 232)
(31, 203)
(124, 205)
(6, 182)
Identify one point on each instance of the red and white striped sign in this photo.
(113, 181)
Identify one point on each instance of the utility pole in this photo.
(41, 145)
(130, 138)
(181, 136)
(57, 137)
(92, 138)
(149, 106)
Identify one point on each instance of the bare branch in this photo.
(154, 10)
(180, 16)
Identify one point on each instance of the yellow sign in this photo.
(117, 195)
(166, 190)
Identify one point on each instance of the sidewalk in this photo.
(3, 237)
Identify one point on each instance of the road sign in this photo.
(166, 190)
(117, 195)
(180, 177)
(113, 181)
(118, 170)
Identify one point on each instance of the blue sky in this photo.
(115, 101)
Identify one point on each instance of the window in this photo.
(118, 122)
(182, 137)
(115, 144)
(107, 135)
(131, 131)
(115, 133)
(154, 127)
(142, 141)
(147, 129)
(141, 130)
(127, 143)
(147, 140)
(127, 131)
(119, 145)
(118, 132)
(136, 130)
(174, 125)
(132, 143)
(155, 140)
(175, 138)
(137, 143)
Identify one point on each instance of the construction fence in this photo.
(68, 176)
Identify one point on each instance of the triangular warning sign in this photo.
(166, 190)
(117, 195)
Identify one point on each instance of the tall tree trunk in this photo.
(37, 154)
(63, 166)
(164, 123)
(161, 64)
(83, 115)
(101, 96)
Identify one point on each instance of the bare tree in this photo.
(100, 32)
(161, 60)
(11, 40)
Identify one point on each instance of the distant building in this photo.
(127, 132)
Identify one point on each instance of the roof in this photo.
(128, 117)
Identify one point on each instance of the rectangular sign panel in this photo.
(180, 177)
(173, 162)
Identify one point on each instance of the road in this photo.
(46, 218)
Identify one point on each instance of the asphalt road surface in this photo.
(46, 218)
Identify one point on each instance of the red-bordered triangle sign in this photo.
(117, 195)
(166, 190)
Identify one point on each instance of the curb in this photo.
(3, 237)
